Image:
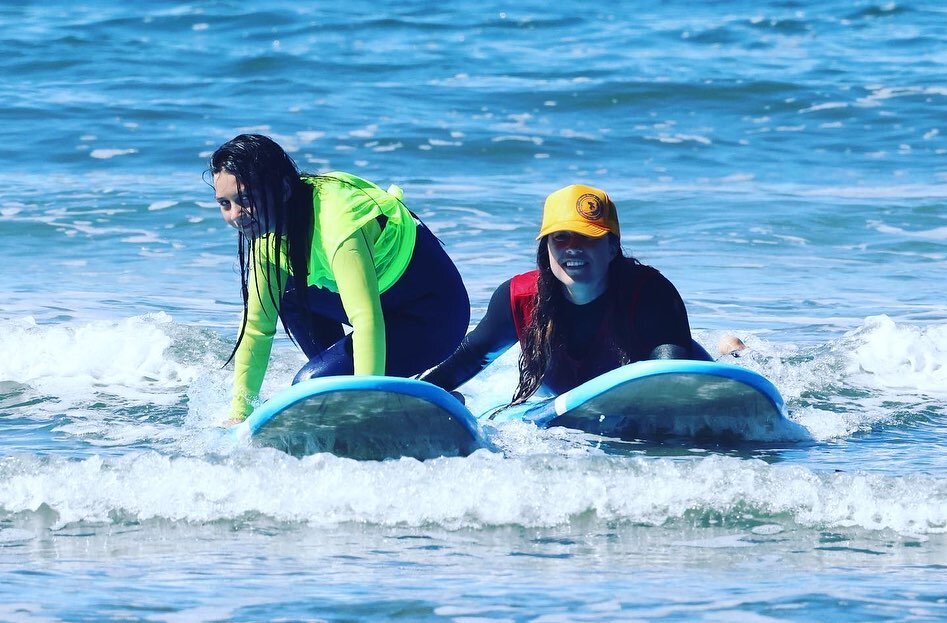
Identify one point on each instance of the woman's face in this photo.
(579, 260)
(236, 206)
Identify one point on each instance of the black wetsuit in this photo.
(657, 317)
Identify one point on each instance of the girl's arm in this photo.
(354, 273)
(253, 354)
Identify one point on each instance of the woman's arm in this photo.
(354, 273)
(253, 353)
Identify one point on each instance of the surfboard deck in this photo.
(366, 418)
(669, 398)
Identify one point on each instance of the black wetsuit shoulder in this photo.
(660, 316)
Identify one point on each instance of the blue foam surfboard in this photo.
(663, 398)
(364, 417)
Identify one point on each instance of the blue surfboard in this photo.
(364, 417)
(664, 398)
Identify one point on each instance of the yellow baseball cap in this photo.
(582, 209)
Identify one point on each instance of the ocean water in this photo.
(783, 162)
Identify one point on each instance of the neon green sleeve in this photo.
(354, 273)
(253, 354)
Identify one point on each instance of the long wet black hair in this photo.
(280, 204)
(542, 337)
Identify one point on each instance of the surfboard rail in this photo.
(364, 417)
(632, 372)
(658, 399)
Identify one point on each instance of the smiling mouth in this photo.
(574, 263)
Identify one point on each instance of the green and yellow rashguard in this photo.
(371, 266)
(358, 290)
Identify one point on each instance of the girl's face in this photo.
(236, 206)
(580, 260)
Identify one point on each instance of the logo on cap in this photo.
(590, 207)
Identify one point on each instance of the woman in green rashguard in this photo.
(322, 251)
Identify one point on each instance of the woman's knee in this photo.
(333, 361)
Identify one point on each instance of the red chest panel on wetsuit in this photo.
(523, 290)
(566, 372)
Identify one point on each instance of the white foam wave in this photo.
(161, 205)
(679, 138)
(479, 491)
(130, 354)
(105, 154)
(855, 382)
(823, 106)
(938, 233)
(902, 357)
(882, 93)
(837, 421)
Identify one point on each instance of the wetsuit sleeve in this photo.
(660, 316)
(492, 337)
(253, 353)
(354, 272)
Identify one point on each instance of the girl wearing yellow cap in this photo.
(320, 251)
(585, 310)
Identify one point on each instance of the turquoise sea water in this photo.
(783, 163)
